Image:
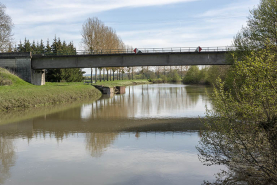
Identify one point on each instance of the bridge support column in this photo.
(38, 77)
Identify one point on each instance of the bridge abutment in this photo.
(20, 64)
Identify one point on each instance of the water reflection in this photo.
(97, 142)
(146, 136)
(154, 101)
(7, 157)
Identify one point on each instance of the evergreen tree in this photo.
(41, 48)
(34, 48)
(27, 46)
(48, 48)
(20, 47)
(56, 48)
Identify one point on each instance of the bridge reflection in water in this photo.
(149, 113)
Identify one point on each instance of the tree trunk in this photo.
(181, 72)
(107, 74)
(110, 75)
(100, 75)
(91, 75)
(158, 73)
(132, 73)
(95, 75)
(113, 75)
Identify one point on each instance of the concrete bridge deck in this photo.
(129, 60)
(30, 67)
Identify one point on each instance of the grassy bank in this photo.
(20, 94)
(122, 82)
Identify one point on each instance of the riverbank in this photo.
(16, 94)
(30, 96)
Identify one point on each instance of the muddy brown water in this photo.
(145, 136)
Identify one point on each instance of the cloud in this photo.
(42, 19)
(31, 12)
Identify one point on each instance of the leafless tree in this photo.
(5, 29)
(98, 38)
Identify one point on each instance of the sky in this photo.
(139, 23)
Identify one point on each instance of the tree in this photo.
(243, 125)
(98, 38)
(242, 128)
(6, 29)
(192, 76)
(57, 48)
(261, 27)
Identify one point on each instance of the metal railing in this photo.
(141, 50)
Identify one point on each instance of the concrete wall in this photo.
(20, 64)
(38, 77)
(129, 60)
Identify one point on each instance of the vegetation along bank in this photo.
(15, 93)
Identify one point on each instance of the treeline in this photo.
(56, 47)
(206, 75)
(155, 74)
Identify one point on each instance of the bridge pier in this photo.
(38, 77)
(20, 64)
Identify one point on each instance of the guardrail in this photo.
(141, 50)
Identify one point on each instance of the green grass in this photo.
(121, 82)
(6, 75)
(22, 95)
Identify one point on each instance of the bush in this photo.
(175, 76)
(5, 82)
(164, 78)
(192, 76)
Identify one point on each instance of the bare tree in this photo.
(5, 29)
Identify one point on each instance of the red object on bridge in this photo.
(136, 50)
(198, 49)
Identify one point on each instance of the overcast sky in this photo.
(140, 23)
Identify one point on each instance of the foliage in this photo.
(192, 75)
(164, 78)
(243, 124)
(215, 71)
(7, 78)
(261, 30)
(6, 30)
(56, 48)
(30, 96)
(175, 76)
(157, 80)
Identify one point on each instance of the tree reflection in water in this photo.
(96, 143)
(7, 157)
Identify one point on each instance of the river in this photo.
(145, 136)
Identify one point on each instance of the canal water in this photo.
(145, 136)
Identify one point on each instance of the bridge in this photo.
(30, 67)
